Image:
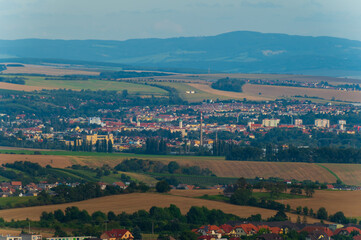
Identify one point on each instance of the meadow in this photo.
(94, 84)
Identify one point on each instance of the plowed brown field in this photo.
(136, 201)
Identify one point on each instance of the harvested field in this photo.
(136, 201)
(57, 70)
(281, 91)
(43, 160)
(348, 173)
(220, 167)
(346, 201)
(265, 92)
(287, 170)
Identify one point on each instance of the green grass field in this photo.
(13, 201)
(93, 84)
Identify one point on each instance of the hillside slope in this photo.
(229, 52)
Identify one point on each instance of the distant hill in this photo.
(248, 52)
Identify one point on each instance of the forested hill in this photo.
(230, 52)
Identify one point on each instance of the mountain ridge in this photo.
(239, 51)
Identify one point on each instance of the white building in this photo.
(322, 123)
(342, 124)
(298, 122)
(270, 122)
(95, 120)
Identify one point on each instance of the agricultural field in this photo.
(136, 201)
(94, 84)
(265, 92)
(18, 87)
(56, 70)
(33, 83)
(346, 201)
(219, 166)
(348, 173)
(235, 95)
(198, 94)
(201, 78)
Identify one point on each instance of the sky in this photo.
(129, 19)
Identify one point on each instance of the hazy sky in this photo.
(125, 19)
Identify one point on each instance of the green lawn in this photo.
(94, 84)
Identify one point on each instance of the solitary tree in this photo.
(322, 214)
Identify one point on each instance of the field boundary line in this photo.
(329, 170)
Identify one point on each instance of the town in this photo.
(179, 125)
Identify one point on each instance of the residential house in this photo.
(120, 185)
(247, 229)
(346, 231)
(117, 234)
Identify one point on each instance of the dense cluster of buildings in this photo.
(114, 234)
(275, 230)
(237, 117)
